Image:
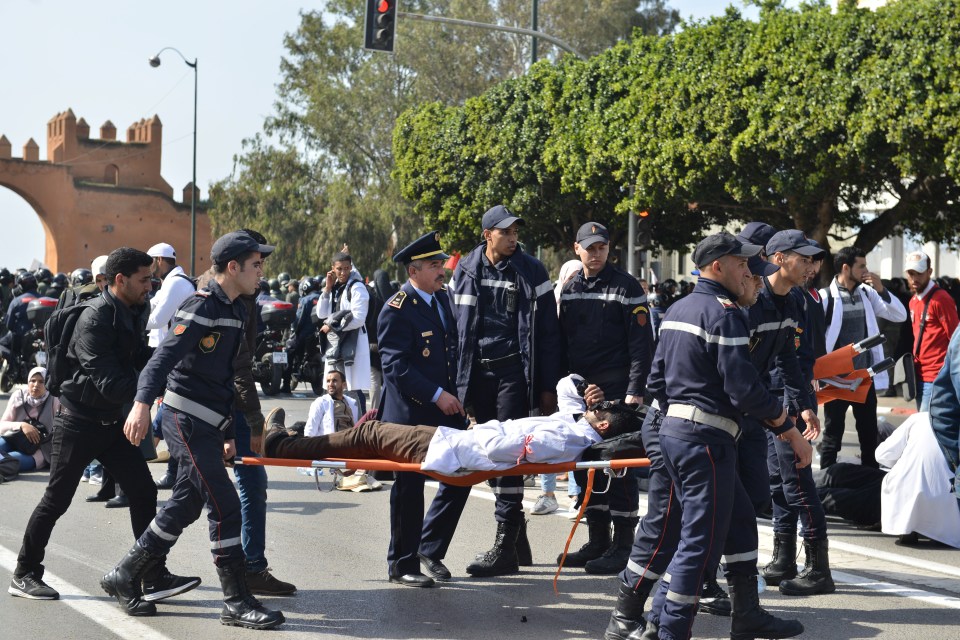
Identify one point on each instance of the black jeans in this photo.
(865, 415)
(76, 443)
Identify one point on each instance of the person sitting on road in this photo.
(27, 408)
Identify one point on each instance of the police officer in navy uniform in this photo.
(608, 339)
(417, 335)
(195, 364)
(510, 360)
(704, 381)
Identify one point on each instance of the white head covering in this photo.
(567, 271)
(99, 266)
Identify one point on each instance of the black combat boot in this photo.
(652, 632)
(524, 552)
(713, 599)
(626, 621)
(615, 557)
(123, 583)
(783, 565)
(240, 609)
(815, 578)
(501, 560)
(596, 545)
(749, 619)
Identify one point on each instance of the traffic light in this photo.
(644, 232)
(381, 25)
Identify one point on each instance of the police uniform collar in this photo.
(214, 287)
(503, 264)
(712, 287)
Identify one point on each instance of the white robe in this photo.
(357, 374)
(916, 493)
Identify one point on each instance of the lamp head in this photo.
(155, 61)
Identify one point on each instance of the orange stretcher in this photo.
(839, 380)
(611, 467)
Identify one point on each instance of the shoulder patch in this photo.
(727, 304)
(641, 313)
(179, 329)
(397, 300)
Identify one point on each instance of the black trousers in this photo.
(76, 443)
(502, 395)
(835, 414)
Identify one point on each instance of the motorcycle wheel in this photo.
(271, 384)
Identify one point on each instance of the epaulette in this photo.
(726, 303)
(203, 292)
(397, 300)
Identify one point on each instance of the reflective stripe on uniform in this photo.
(643, 572)
(465, 299)
(674, 325)
(208, 322)
(195, 409)
(679, 598)
(606, 297)
(741, 557)
(624, 514)
(775, 326)
(223, 544)
(667, 577)
(161, 533)
(544, 288)
(503, 491)
(502, 284)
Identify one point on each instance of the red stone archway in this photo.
(83, 213)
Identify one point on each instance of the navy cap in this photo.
(760, 267)
(499, 217)
(722, 244)
(757, 233)
(426, 247)
(232, 245)
(793, 240)
(591, 233)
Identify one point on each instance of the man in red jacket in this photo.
(933, 314)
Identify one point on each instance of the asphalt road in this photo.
(332, 546)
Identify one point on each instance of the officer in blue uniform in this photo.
(703, 378)
(195, 364)
(608, 339)
(658, 533)
(417, 334)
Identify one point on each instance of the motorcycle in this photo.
(270, 359)
(308, 367)
(32, 352)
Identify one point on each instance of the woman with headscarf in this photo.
(29, 406)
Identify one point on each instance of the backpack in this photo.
(373, 309)
(57, 333)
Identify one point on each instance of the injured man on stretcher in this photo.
(490, 446)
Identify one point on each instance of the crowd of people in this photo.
(503, 365)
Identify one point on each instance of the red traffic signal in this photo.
(380, 25)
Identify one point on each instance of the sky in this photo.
(92, 57)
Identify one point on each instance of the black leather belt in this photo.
(66, 411)
(493, 364)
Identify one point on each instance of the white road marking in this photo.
(95, 608)
(927, 597)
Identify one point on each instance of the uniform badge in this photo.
(726, 303)
(641, 313)
(179, 329)
(426, 352)
(754, 341)
(426, 334)
(796, 342)
(397, 300)
(209, 342)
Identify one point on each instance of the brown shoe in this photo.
(262, 583)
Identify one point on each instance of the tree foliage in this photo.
(323, 173)
(802, 118)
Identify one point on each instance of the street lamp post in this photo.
(155, 62)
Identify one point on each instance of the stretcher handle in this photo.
(884, 365)
(869, 343)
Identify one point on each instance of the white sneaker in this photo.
(96, 478)
(545, 504)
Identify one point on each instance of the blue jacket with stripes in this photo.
(536, 320)
(703, 360)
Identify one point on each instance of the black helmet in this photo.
(264, 287)
(60, 280)
(80, 277)
(27, 281)
(5, 276)
(274, 284)
(44, 275)
(284, 278)
(308, 285)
